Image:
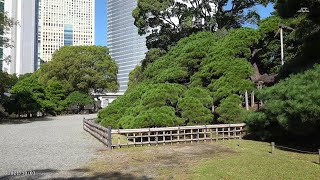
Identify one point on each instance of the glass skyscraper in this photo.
(126, 46)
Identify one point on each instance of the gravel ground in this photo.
(51, 147)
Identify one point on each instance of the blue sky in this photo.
(101, 20)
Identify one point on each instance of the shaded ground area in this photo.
(231, 159)
(157, 162)
(46, 146)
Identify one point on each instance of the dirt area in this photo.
(156, 162)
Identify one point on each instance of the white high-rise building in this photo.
(64, 22)
(22, 37)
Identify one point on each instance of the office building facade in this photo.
(20, 58)
(1, 34)
(126, 46)
(64, 22)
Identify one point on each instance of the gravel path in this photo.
(47, 146)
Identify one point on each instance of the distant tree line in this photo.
(67, 80)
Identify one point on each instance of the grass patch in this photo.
(115, 139)
(233, 159)
(253, 160)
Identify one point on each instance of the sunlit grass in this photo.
(253, 160)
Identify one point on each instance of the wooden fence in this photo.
(168, 135)
(101, 133)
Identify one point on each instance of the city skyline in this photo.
(43, 26)
(64, 22)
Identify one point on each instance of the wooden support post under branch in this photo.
(272, 147)
(252, 99)
(246, 100)
(319, 156)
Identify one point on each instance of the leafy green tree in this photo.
(303, 43)
(291, 8)
(151, 56)
(183, 60)
(6, 82)
(28, 97)
(135, 76)
(231, 110)
(291, 107)
(121, 106)
(56, 93)
(201, 70)
(168, 21)
(82, 68)
(154, 117)
(78, 98)
(161, 95)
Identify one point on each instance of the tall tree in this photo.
(305, 36)
(82, 68)
(167, 21)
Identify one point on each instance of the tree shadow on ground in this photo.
(75, 174)
(23, 120)
(302, 144)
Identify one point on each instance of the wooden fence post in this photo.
(109, 140)
(198, 135)
(119, 143)
(83, 122)
(149, 134)
(272, 147)
(127, 140)
(164, 138)
(157, 133)
(191, 135)
(171, 137)
(223, 134)
(217, 134)
(178, 134)
(205, 133)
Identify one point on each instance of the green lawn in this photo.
(252, 160)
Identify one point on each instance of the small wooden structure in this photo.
(167, 135)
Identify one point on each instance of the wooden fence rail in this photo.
(101, 133)
(168, 135)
